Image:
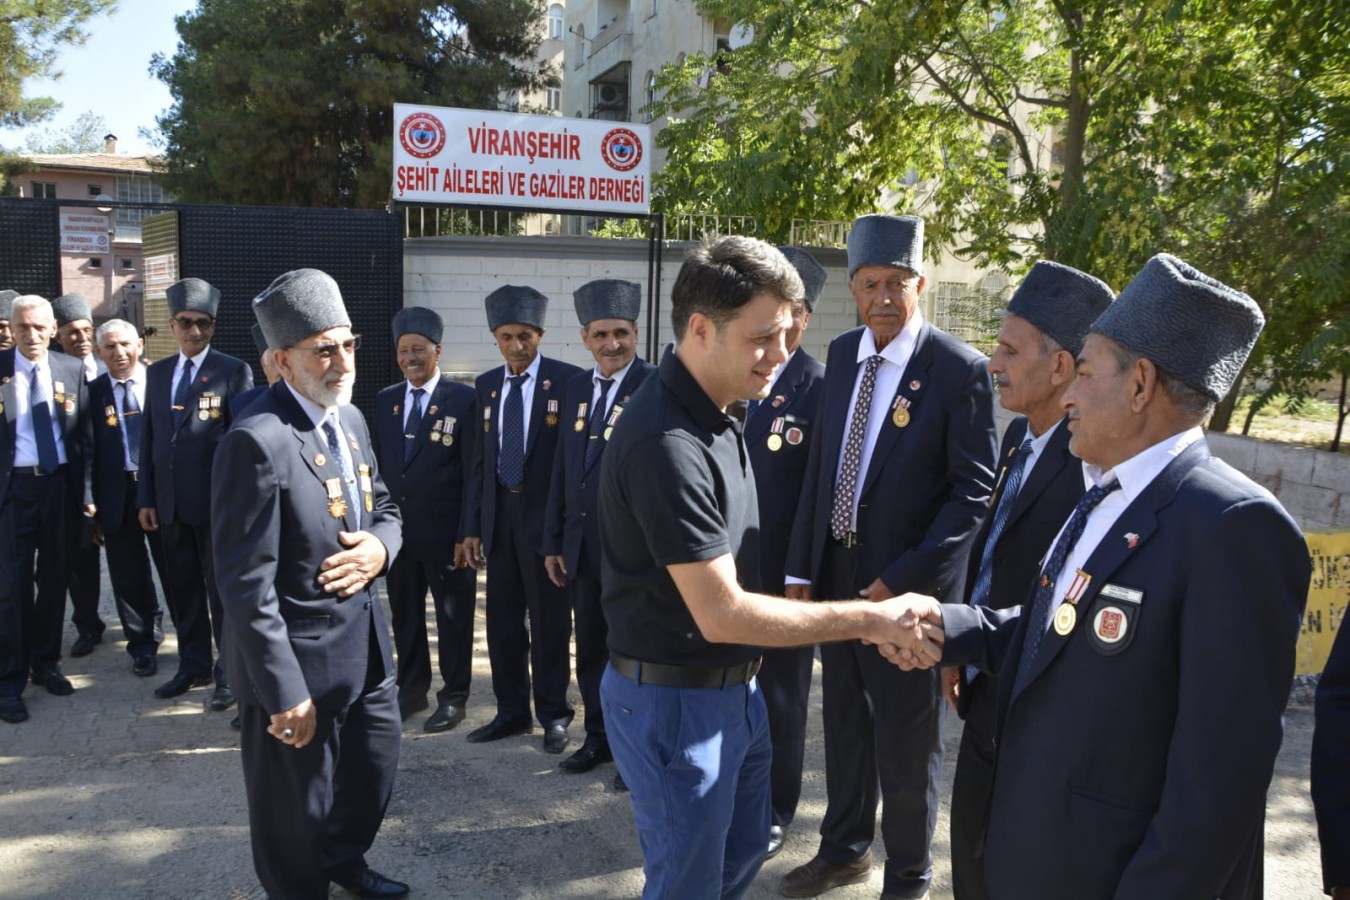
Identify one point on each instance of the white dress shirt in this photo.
(137, 380)
(617, 377)
(25, 445)
(429, 387)
(178, 370)
(526, 396)
(1134, 474)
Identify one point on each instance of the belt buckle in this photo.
(850, 540)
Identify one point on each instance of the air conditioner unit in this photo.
(609, 95)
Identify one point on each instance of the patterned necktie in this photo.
(414, 422)
(1045, 587)
(131, 420)
(344, 466)
(48, 459)
(180, 396)
(750, 407)
(1012, 481)
(597, 422)
(511, 462)
(841, 514)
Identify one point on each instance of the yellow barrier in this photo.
(1328, 598)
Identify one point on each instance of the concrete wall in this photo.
(1313, 485)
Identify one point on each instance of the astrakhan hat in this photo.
(608, 298)
(71, 308)
(812, 273)
(193, 295)
(886, 241)
(418, 320)
(1195, 328)
(1061, 302)
(513, 304)
(298, 304)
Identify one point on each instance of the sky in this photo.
(110, 74)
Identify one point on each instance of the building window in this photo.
(137, 189)
(95, 189)
(128, 263)
(648, 96)
(95, 262)
(44, 190)
(555, 22)
(580, 33)
(555, 99)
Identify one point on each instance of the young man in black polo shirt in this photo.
(679, 518)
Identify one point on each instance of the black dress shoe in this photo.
(145, 665)
(235, 724)
(446, 716)
(84, 644)
(591, 754)
(775, 841)
(411, 705)
(222, 698)
(54, 682)
(180, 684)
(370, 884)
(620, 786)
(555, 739)
(497, 729)
(820, 875)
(12, 710)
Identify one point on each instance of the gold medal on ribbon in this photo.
(900, 417)
(111, 412)
(337, 507)
(367, 486)
(447, 438)
(551, 420)
(609, 429)
(203, 414)
(1065, 617)
(775, 442)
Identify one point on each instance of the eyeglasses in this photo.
(187, 323)
(328, 351)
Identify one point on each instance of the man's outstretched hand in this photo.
(911, 637)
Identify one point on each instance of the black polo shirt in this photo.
(675, 487)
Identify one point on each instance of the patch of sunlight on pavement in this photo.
(173, 711)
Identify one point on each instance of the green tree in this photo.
(290, 102)
(31, 34)
(84, 135)
(1076, 130)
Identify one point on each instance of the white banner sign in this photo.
(84, 233)
(473, 157)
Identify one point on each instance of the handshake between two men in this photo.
(914, 638)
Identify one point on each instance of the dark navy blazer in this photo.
(109, 471)
(480, 507)
(928, 483)
(1331, 763)
(176, 464)
(429, 489)
(76, 431)
(288, 638)
(793, 409)
(1137, 768)
(572, 518)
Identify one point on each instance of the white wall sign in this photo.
(474, 157)
(84, 233)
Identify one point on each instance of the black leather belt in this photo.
(683, 676)
(133, 474)
(848, 541)
(36, 471)
(518, 489)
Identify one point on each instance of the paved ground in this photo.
(113, 793)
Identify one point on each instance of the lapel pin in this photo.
(319, 459)
(915, 385)
(1132, 540)
(548, 383)
(432, 411)
(778, 401)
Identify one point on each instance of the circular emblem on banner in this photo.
(622, 149)
(422, 135)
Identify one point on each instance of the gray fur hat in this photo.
(418, 320)
(608, 298)
(7, 299)
(71, 308)
(886, 241)
(812, 273)
(193, 295)
(298, 304)
(259, 339)
(1193, 327)
(513, 304)
(1061, 302)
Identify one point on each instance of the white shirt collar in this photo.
(429, 387)
(900, 348)
(137, 375)
(1138, 472)
(532, 370)
(196, 360)
(25, 365)
(618, 376)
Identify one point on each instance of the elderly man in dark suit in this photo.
(1039, 482)
(1331, 767)
(520, 407)
(900, 472)
(117, 399)
(303, 525)
(778, 432)
(592, 402)
(75, 338)
(44, 427)
(1143, 682)
(424, 441)
(187, 412)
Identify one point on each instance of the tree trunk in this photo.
(1341, 413)
(1223, 410)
